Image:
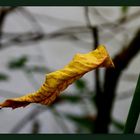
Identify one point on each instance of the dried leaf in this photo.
(58, 81)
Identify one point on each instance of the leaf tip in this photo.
(108, 61)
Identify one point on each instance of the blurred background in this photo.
(37, 40)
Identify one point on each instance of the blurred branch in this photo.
(35, 127)
(59, 120)
(33, 37)
(30, 17)
(27, 38)
(33, 115)
(107, 23)
(3, 13)
(52, 20)
(27, 118)
(95, 37)
(121, 61)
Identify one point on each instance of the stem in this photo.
(2, 18)
(134, 111)
(95, 38)
(97, 71)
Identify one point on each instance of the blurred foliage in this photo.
(82, 121)
(3, 77)
(18, 63)
(80, 84)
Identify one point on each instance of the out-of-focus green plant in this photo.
(3, 77)
(18, 63)
(82, 121)
(134, 111)
(80, 84)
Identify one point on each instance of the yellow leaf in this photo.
(59, 80)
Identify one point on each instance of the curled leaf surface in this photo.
(56, 82)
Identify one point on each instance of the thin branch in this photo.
(68, 31)
(95, 36)
(3, 13)
(31, 18)
(27, 118)
(59, 120)
(24, 38)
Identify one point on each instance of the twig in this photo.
(27, 118)
(3, 13)
(94, 31)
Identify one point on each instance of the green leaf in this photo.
(80, 84)
(18, 63)
(134, 111)
(3, 76)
